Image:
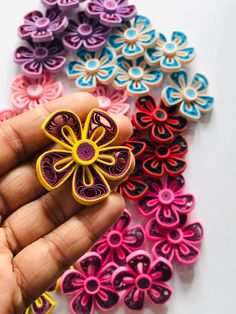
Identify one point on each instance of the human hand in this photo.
(43, 233)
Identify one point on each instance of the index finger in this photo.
(21, 136)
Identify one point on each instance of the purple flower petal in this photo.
(43, 305)
(82, 303)
(23, 54)
(139, 262)
(91, 264)
(159, 293)
(110, 19)
(123, 279)
(71, 281)
(106, 298)
(127, 12)
(134, 298)
(161, 270)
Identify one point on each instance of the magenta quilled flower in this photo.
(179, 243)
(165, 198)
(110, 12)
(64, 5)
(120, 240)
(141, 278)
(90, 286)
(35, 59)
(86, 33)
(42, 28)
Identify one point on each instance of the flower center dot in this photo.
(131, 34)
(85, 29)
(92, 285)
(136, 73)
(143, 282)
(162, 152)
(169, 48)
(190, 94)
(42, 23)
(175, 236)
(41, 53)
(85, 152)
(160, 115)
(166, 196)
(114, 239)
(92, 65)
(110, 6)
(104, 102)
(35, 91)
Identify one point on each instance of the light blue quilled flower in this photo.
(133, 38)
(190, 97)
(170, 55)
(136, 76)
(91, 68)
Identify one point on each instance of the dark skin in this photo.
(43, 233)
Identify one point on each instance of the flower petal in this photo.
(170, 64)
(132, 50)
(54, 168)
(179, 38)
(186, 253)
(123, 279)
(137, 88)
(116, 40)
(133, 188)
(95, 42)
(146, 104)
(106, 299)
(161, 133)
(123, 222)
(163, 249)
(55, 63)
(23, 54)
(148, 204)
(82, 303)
(185, 55)
(119, 108)
(33, 69)
(94, 8)
(71, 281)
(137, 147)
(139, 262)
(183, 203)
(91, 263)
(179, 79)
(53, 91)
(134, 298)
(179, 146)
(148, 37)
(176, 123)
(175, 166)
(59, 124)
(154, 55)
(200, 82)
(193, 232)
(100, 123)
(142, 120)
(86, 82)
(161, 270)
(106, 74)
(204, 103)
(134, 237)
(190, 111)
(127, 11)
(153, 167)
(159, 293)
(167, 216)
(39, 36)
(171, 96)
(110, 19)
(75, 69)
(44, 304)
(153, 77)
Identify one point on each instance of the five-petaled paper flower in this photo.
(41, 57)
(170, 55)
(91, 68)
(42, 28)
(163, 123)
(160, 159)
(178, 243)
(141, 278)
(63, 5)
(87, 154)
(133, 38)
(112, 100)
(190, 97)
(28, 93)
(110, 12)
(136, 76)
(86, 33)
(165, 199)
(120, 240)
(90, 286)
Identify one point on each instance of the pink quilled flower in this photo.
(90, 286)
(29, 93)
(165, 199)
(120, 240)
(112, 100)
(179, 243)
(141, 278)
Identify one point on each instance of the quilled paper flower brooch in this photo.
(110, 12)
(112, 100)
(28, 93)
(87, 154)
(190, 97)
(86, 33)
(120, 240)
(165, 199)
(136, 76)
(91, 286)
(179, 243)
(162, 123)
(42, 28)
(141, 278)
(63, 5)
(91, 68)
(39, 58)
(132, 38)
(170, 55)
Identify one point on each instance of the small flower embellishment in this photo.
(39, 58)
(42, 28)
(180, 243)
(87, 154)
(141, 278)
(91, 286)
(110, 12)
(189, 97)
(132, 38)
(86, 33)
(45, 304)
(92, 68)
(162, 123)
(28, 93)
(120, 240)
(63, 5)
(170, 55)
(7, 114)
(165, 199)
(112, 100)
(136, 76)
(168, 158)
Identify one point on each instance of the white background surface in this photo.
(208, 288)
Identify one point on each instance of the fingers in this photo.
(42, 262)
(21, 186)
(21, 136)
